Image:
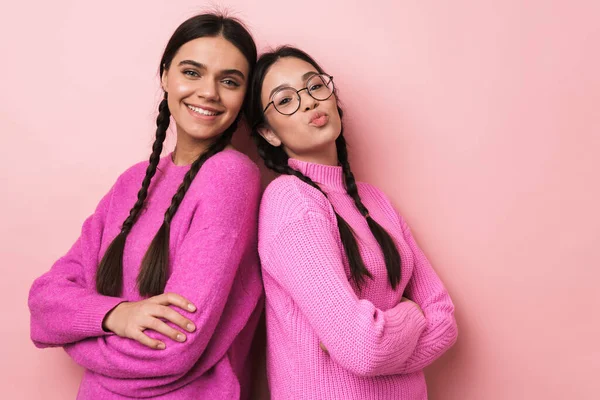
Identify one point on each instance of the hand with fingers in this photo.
(131, 319)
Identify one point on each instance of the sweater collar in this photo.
(326, 176)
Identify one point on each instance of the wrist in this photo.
(107, 320)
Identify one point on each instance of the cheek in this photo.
(282, 125)
(333, 112)
(233, 100)
(180, 88)
(294, 132)
(337, 121)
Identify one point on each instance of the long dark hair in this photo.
(276, 159)
(153, 274)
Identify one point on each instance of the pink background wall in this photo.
(479, 118)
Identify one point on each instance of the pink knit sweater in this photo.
(377, 346)
(213, 263)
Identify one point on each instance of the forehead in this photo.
(286, 71)
(216, 53)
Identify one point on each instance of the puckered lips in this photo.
(318, 119)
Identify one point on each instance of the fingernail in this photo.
(180, 337)
(160, 346)
(190, 327)
(191, 307)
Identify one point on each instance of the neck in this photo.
(326, 156)
(188, 149)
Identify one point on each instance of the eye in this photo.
(230, 82)
(191, 73)
(316, 87)
(284, 101)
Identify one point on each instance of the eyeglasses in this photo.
(287, 100)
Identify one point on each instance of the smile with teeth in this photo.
(202, 111)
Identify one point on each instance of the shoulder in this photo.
(372, 192)
(229, 172)
(290, 192)
(133, 175)
(289, 200)
(231, 163)
(367, 189)
(128, 183)
(376, 195)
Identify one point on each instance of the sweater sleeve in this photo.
(64, 307)
(304, 258)
(426, 289)
(221, 232)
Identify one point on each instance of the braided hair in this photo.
(152, 277)
(276, 159)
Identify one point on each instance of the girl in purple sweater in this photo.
(354, 309)
(161, 294)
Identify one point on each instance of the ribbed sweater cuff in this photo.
(88, 320)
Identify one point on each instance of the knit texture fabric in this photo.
(376, 345)
(213, 262)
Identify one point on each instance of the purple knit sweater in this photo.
(213, 263)
(377, 346)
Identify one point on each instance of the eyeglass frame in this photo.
(298, 94)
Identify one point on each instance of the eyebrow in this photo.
(283, 85)
(223, 72)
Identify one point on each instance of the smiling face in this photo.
(206, 85)
(312, 130)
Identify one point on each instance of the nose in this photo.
(207, 89)
(307, 101)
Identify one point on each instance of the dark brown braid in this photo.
(155, 264)
(276, 159)
(109, 276)
(388, 247)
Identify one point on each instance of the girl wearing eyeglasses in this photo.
(354, 309)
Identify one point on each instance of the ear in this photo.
(270, 136)
(164, 81)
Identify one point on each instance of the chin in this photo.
(326, 141)
(333, 132)
(202, 133)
